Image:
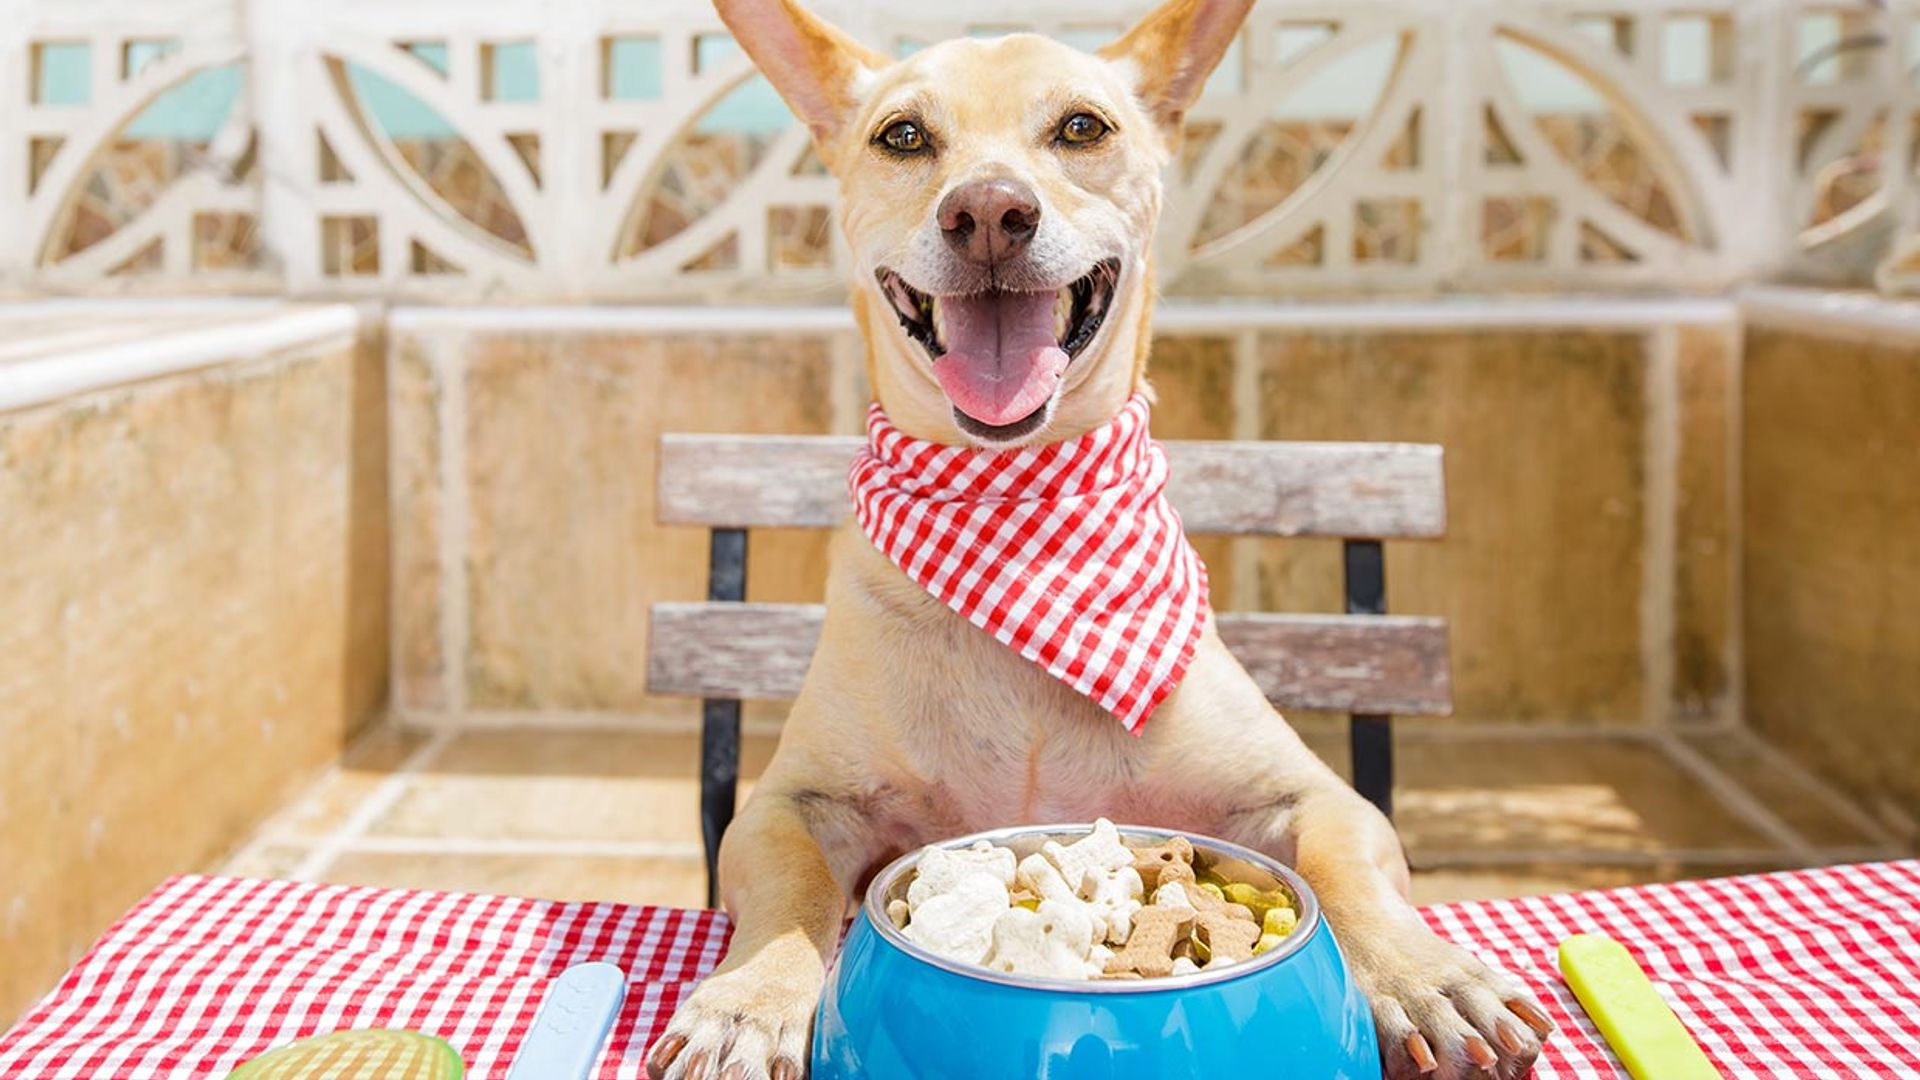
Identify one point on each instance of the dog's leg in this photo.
(1441, 1013)
(751, 1019)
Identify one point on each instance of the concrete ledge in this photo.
(1826, 311)
(81, 356)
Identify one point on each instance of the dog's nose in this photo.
(989, 221)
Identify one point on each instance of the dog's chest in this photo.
(975, 735)
(957, 733)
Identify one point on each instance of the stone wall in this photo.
(1586, 570)
(1831, 423)
(192, 623)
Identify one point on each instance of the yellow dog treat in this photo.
(1279, 921)
(1651, 1042)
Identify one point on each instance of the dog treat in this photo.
(1038, 875)
(1054, 942)
(1112, 898)
(958, 924)
(1173, 894)
(1204, 900)
(1177, 873)
(1258, 901)
(1279, 921)
(940, 869)
(1151, 862)
(1093, 908)
(1098, 851)
(1149, 952)
(1227, 939)
(1098, 957)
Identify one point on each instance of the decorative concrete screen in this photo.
(499, 149)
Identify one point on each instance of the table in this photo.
(1806, 974)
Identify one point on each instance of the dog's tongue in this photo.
(1002, 360)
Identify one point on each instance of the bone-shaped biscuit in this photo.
(1152, 862)
(1097, 958)
(1149, 949)
(1053, 941)
(1111, 899)
(1037, 874)
(1173, 894)
(1108, 899)
(1228, 939)
(1177, 873)
(940, 869)
(1098, 851)
(1204, 901)
(958, 923)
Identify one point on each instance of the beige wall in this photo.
(1831, 426)
(1582, 587)
(192, 621)
(526, 551)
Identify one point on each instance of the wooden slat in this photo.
(1391, 664)
(758, 652)
(755, 481)
(1348, 490)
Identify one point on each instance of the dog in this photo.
(984, 172)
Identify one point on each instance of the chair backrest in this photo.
(1366, 663)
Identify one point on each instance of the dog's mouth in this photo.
(1000, 355)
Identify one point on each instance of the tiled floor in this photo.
(605, 815)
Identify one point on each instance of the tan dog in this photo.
(999, 199)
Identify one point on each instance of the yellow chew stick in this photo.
(1651, 1042)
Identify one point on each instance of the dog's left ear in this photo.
(816, 66)
(1173, 50)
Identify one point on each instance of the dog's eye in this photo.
(1082, 129)
(904, 137)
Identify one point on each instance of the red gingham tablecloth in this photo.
(1807, 974)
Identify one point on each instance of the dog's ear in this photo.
(815, 66)
(1173, 50)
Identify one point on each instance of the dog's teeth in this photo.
(1062, 313)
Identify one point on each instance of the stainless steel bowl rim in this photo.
(874, 909)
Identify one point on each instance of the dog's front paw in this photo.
(738, 1025)
(1442, 1014)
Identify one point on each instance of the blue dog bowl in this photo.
(893, 1010)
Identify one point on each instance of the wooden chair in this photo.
(1366, 663)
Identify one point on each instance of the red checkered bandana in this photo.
(1067, 554)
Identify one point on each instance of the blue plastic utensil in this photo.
(572, 1025)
